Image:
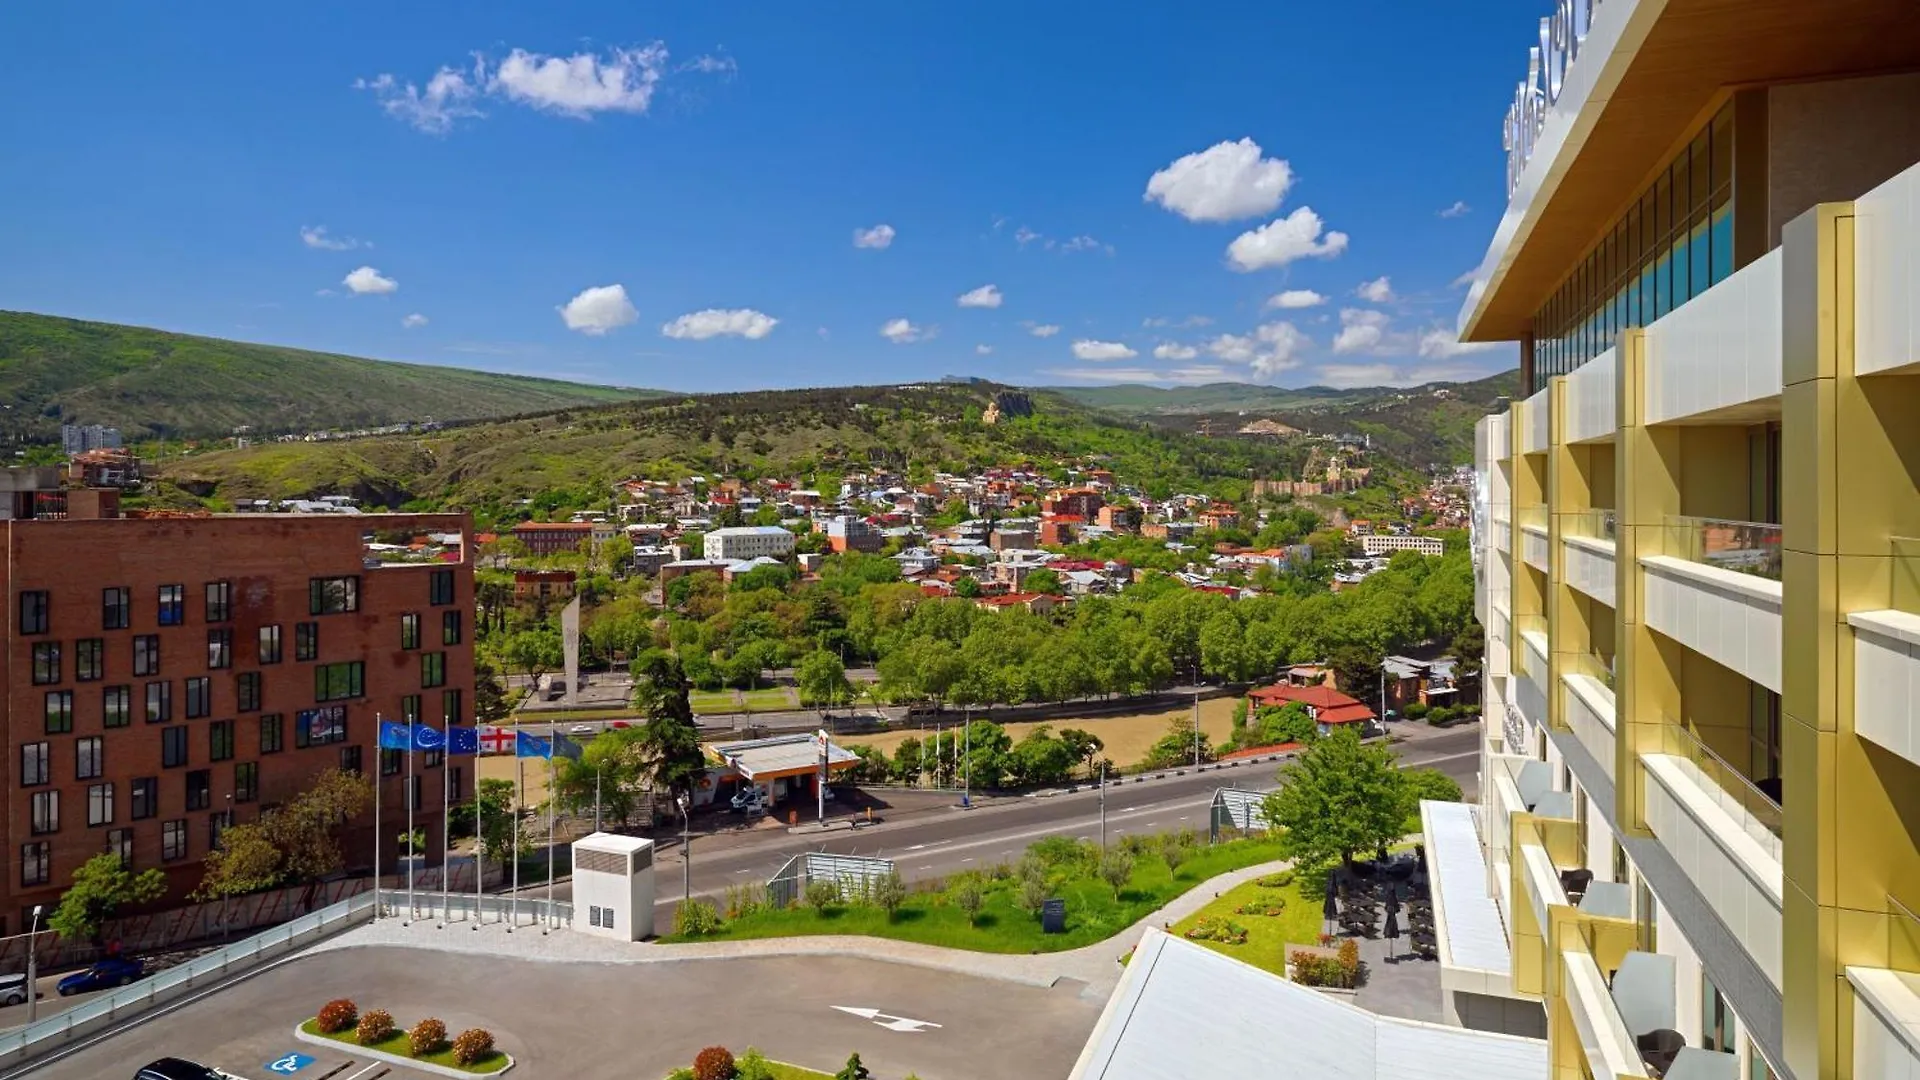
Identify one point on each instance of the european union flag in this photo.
(566, 747)
(526, 745)
(426, 738)
(395, 736)
(463, 740)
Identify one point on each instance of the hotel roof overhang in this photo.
(1649, 72)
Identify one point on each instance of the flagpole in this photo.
(520, 774)
(446, 834)
(413, 731)
(479, 830)
(379, 744)
(547, 923)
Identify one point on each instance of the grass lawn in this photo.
(769, 699)
(1093, 912)
(1267, 935)
(1128, 737)
(713, 701)
(396, 1043)
(784, 1071)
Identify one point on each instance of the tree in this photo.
(1289, 723)
(669, 742)
(889, 892)
(1084, 745)
(966, 588)
(853, 1071)
(1357, 668)
(304, 828)
(489, 697)
(1340, 797)
(1041, 758)
(1043, 581)
(1116, 869)
(822, 679)
(534, 651)
(244, 862)
(969, 896)
(1177, 746)
(909, 760)
(1429, 784)
(101, 886)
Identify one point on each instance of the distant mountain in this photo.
(152, 383)
(1139, 400)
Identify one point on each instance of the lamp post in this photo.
(1103, 808)
(33, 966)
(686, 849)
(1196, 714)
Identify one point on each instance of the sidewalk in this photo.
(1097, 965)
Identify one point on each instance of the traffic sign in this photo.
(288, 1064)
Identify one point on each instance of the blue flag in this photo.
(394, 736)
(566, 747)
(426, 738)
(525, 745)
(463, 740)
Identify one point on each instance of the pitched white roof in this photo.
(1183, 1011)
(1471, 932)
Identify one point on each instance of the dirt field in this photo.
(1127, 736)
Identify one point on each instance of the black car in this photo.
(177, 1069)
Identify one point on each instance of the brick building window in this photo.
(433, 669)
(173, 605)
(36, 863)
(246, 691)
(45, 812)
(116, 706)
(100, 806)
(173, 840)
(120, 842)
(46, 663)
(333, 595)
(220, 648)
(450, 627)
(318, 727)
(440, 587)
(410, 709)
(173, 747)
(339, 682)
(59, 712)
(146, 654)
(450, 707)
(246, 781)
(269, 647)
(116, 608)
(35, 611)
(219, 601)
(146, 797)
(89, 758)
(410, 630)
(350, 759)
(220, 740)
(390, 762)
(89, 659)
(36, 760)
(159, 702)
(306, 640)
(272, 733)
(199, 789)
(199, 697)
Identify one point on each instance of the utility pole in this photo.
(1103, 808)
(33, 966)
(966, 783)
(686, 850)
(1196, 714)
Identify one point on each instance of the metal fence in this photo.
(466, 908)
(1236, 812)
(853, 875)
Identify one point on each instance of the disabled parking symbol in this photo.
(288, 1064)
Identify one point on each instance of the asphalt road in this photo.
(622, 1021)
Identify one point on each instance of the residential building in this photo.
(554, 537)
(80, 438)
(104, 468)
(1038, 603)
(1082, 503)
(1701, 781)
(916, 560)
(1119, 518)
(1059, 529)
(1219, 516)
(1014, 538)
(1329, 707)
(168, 676)
(749, 542)
(846, 532)
(1375, 545)
(649, 558)
(543, 584)
(683, 567)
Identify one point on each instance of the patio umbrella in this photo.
(1331, 909)
(1393, 899)
(1391, 932)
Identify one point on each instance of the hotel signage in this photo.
(1563, 36)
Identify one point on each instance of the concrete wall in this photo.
(1836, 140)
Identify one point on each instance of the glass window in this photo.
(46, 662)
(246, 781)
(220, 740)
(159, 702)
(173, 840)
(89, 659)
(333, 596)
(146, 797)
(272, 733)
(269, 644)
(59, 712)
(199, 697)
(410, 709)
(389, 763)
(173, 747)
(116, 706)
(1716, 1019)
(306, 640)
(338, 682)
(173, 605)
(450, 627)
(116, 608)
(410, 630)
(146, 654)
(350, 759)
(450, 706)
(440, 587)
(100, 806)
(35, 611)
(36, 863)
(120, 842)
(433, 669)
(247, 691)
(317, 727)
(45, 811)
(199, 789)
(36, 763)
(220, 647)
(89, 758)
(219, 601)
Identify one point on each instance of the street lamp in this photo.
(686, 848)
(33, 966)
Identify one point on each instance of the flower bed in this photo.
(1218, 928)
(374, 1032)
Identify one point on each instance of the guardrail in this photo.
(458, 908)
(1737, 795)
(1744, 547)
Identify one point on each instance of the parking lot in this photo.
(626, 1021)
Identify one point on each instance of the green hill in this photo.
(150, 383)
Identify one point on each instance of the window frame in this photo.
(174, 845)
(219, 601)
(339, 595)
(198, 785)
(171, 606)
(34, 612)
(273, 733)
(116, 607)
(99, 804)
(219, 648)
(89, 659)
(89, 758)
(174, 751)
(267, 644)
(58, 712)
(123, 695)
(146, 654)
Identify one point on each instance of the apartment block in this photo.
(1694, 541)
(749, 542)
(166, 677)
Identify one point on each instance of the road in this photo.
(936, 843)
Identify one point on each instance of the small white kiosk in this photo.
(613, 886)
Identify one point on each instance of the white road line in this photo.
(916, 847)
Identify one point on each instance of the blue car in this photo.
(117, 971)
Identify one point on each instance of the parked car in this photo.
(583, 729)
(114, 971)
(13, 989)
(178, 1069)
(750, 800)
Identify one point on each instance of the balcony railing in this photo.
(1738, 796)
(1534, 517)
(1903, 937)
(1592, 524)
(1744, 547)
(1594, 667)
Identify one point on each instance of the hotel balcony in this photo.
(1887, 270)
(1536, 420)
(1886, 660)
(1530, 688)
(1587, 541)
(1592, 412)
(1718, 593)
(1718, 357)
(1589, 708)
(1886, 1003)
(1502, 531)
(1725, 834)
(1533, 538)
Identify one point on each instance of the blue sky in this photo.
(1148, 179)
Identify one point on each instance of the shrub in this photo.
(1349, 958)
(888, 893)
(1216, 928)
(682, 1073)
(472, 1045)
(752, 1066)
(969, 896)
(696, 918)
(822, 895)
(375, 1025)
(1270, 908)
(1341, 970)
(1276, 881)
(1415, 710)
(1116, 869)
(1173, 853)
(336, 1016)
(427, 1037)
(1136, 844)
(713, 1063)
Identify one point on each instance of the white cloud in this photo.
(719, 322)
(1041, 330)
(1295, 298)
(1441, 344)
(1225, 182)
(902, 332)
(1168, 350)
(618, 80)
(1102, 350)
(599, 309)
(1271, 348)
(367, 280)
(1471, 277)
(878, 238)
(414, 320)
(1360, 331)
(1458, 209)
(1180, 376)
(1281, 241)
(1024, 236)
(983, 350)
(711, 65)
(315, 236)
(986, 296)
(1377, 291)
(1083, 243)
(1347, 376)
(449, 96)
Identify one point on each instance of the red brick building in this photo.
(167, 676)
(1082, 503)
(553, 537)
(1327, 706)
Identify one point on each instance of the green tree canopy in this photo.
(1340, 797)
(101, 887)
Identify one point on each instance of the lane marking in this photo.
(903, 1024)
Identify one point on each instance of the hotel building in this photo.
(1695, 852)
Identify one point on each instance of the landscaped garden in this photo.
(1272, 912)
(996, 909)
(717, 1063)
(470, 1051)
